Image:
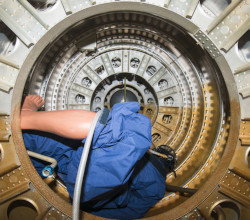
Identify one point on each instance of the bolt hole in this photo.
(80, 99)
(116, 61)
(169, 101)
(156, 137)
(151, 70)
(86, 82)
(21, 209)
(134, 62)
(150, 101)
(100, 70)
(163, 84)
(149, 111)
(167, 119)
(97, 99)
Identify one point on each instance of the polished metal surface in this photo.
(185, 61)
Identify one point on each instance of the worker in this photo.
(122, 180)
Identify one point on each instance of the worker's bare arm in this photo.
(72, 124)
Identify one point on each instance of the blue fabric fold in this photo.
(116, 147)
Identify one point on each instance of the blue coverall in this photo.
(121, 182)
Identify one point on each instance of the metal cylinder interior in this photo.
(177, 83)
(185, 61)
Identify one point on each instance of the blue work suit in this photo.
(120, 182)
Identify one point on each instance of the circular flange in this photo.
(194, 115)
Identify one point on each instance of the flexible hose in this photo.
(48, 170)
(82, 166)
(43, 157)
